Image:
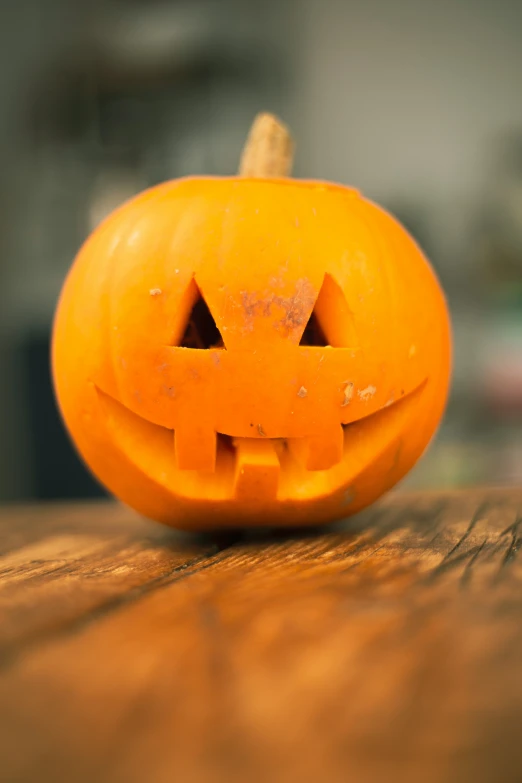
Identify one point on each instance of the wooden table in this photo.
(389, 648)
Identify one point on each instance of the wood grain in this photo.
(387, 648)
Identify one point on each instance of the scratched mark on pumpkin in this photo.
(254, 305)
(347, 393)
(390, 400)
(366, 394)
(296, 307)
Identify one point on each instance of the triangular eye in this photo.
(313, 333)
(331, 322)
(201, 330)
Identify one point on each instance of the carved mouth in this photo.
(258, 468)
(193, 460)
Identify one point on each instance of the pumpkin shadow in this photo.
(382, 518)
(232, 537)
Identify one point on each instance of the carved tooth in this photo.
(257, 469)
(319, 452)
(195, 448)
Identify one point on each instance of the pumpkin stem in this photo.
(269, 149)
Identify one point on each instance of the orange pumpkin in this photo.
(251, 350)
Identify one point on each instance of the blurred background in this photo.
(416, 103)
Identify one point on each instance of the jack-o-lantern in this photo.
(251, 350)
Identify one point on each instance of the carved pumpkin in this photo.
(251, 350)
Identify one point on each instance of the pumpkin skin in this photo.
(315, 432)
